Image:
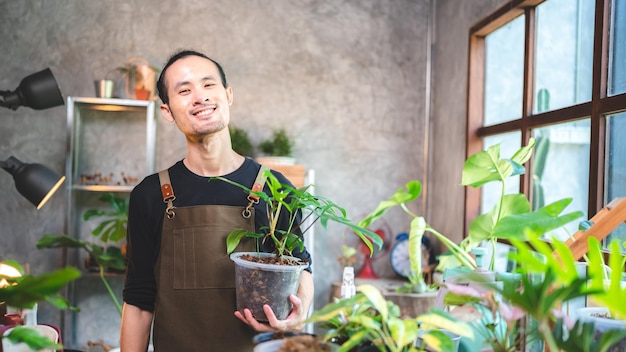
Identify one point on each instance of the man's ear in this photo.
(229, 95)
(165, 110)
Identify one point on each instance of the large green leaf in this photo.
(483, 227)
(27, 290)
(538, 222)
(411, 191)
(486, 166)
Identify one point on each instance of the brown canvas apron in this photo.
(196, 278)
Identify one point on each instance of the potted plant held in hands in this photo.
(260, 277)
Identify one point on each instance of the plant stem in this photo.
(458, 253)
(113, 297)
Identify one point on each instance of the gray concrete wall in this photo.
(348, 78)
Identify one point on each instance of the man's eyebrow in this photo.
(203, 79)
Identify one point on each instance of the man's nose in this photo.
(201, 98)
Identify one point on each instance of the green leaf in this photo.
(32, 338)
(411, 191)
(234, 238)
(483, 227)
(376, 298)
(32, 289)
(538, 222)
(486, 166)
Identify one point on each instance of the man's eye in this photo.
(183, 91)
(209, 84)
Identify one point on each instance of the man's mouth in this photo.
(204, 112)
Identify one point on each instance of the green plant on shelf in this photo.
(105, 256)
(279, 145)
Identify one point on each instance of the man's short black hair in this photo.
(177, 56)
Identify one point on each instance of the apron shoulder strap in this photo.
(259, 182)
(167, 192)
(258, 185)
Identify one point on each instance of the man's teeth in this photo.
(204, 112)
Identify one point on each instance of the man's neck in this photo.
(214, 158)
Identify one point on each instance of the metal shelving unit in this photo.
(111, 146)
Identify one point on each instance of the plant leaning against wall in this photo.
(106, 255)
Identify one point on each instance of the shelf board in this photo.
(112, 104)
(102, 188)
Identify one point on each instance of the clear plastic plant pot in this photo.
(259, 283)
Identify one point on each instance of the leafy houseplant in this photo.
(240, 141)
(418, 227)
(283, 201)
(511, 218)
(111, 229)
(512, 214)
(26, 290)
(279, 145)
(547, 283)
(367, 319)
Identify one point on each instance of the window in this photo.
(554, 70)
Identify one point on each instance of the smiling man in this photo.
(179, 276)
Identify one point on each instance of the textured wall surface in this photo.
(348, 78)
(446, 150)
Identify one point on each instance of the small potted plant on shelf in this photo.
(105, 256)
(259, 276)
(277, 149)
(240, 141)
(140, 79)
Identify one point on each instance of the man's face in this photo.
(199, 103)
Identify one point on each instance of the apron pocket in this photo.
(200, 259)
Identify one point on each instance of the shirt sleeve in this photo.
(143, 243)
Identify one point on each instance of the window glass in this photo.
(616, 165)
(617, 54)
(490, 192)
(504, 68)
(561, 168)
(564, 54)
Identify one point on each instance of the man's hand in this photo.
(293, 322)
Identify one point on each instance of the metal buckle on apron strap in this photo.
(168, 193)
(256, 187)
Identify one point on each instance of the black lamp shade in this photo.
(35, 182)
(38, 91)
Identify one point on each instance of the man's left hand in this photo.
(293, 322)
